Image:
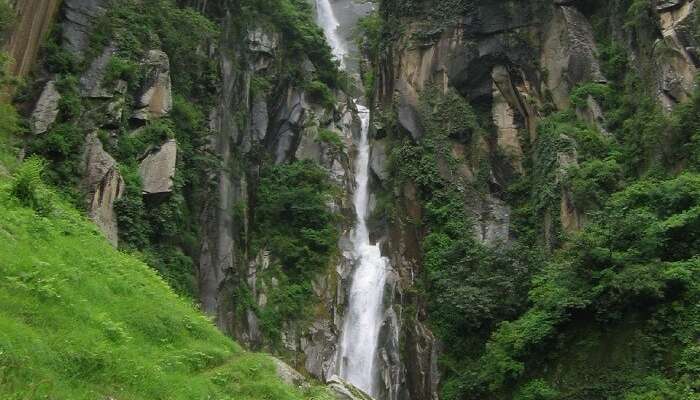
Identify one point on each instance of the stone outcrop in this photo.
(157, 169)
(92, 82)
(289, 375)
(569, 54)
(78, 22)
(342, 390)
(156, 99)
(676, 53)
(46, 109)
(103, 185)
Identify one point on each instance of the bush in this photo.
(27, 185)
(332, 139)
(320, 93)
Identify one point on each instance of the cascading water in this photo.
(329, 23)
(364, 314)
(357, 350)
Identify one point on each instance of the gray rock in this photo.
(156, 99)
(569, 54)
(342, 390)
(103, 185)
(46, 109)
(157, 170)
(259, 119)
(493, 221)
(92, 81)
(289, 375)
(408, 106)
(379, 161)
(319, 346)
(262, 45)
(80, 16)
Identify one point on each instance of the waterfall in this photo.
(329, 23)
(357, 350)
(365, 309)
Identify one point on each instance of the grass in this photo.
(81, 320)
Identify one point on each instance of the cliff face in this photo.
(504, 132)
(466, 93)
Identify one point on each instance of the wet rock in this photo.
(156, 99)
(342, 390)
(46, 109)
(103, 185)
(157, 170)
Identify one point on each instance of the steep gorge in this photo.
(483, 200)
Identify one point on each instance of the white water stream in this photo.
(364, 313)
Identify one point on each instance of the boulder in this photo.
(289, 375)
(343, 390)
(157, 169)
(156, 99)
(46, 109)
(103, 185)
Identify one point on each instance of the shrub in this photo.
(27, 185)
(332, 139)
(320, 93)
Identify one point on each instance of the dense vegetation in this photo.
(293, 222)
(608, 312)
(81, 320)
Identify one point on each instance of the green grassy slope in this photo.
(80, 320)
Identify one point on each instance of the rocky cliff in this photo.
(467, 97)
(217, 143)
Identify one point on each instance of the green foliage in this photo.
(637, 252)
(28, 187)
(81, 320)
(62, 146)
(134, 230)
(332, 139)
(320, 93)
(447, 114)
(135, 27)
(133, 146)
(10, 130)
(120, 68)
(7, 17)
(294, 19)
(537, 390)
(293, 222)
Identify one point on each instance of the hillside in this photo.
(81, 320)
